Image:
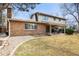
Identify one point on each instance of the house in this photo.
(39, 23)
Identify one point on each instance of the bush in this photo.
(69, 31)
(7, 33)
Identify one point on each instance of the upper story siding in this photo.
(47, 18)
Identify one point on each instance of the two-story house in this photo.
(39, 23)
(53, 23)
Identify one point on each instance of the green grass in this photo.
(55, 45)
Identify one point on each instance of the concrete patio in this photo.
(13, 42)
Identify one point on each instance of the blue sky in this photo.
(48, 8)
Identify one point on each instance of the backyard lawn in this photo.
(55, 45)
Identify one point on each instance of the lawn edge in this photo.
(12, 53)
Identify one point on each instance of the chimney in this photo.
(9, 12)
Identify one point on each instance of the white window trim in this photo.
(45, 18)
(29, 29)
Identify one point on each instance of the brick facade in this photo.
(2, 30)
(17, 28)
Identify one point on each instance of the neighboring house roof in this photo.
(47, 15)
(30, 21)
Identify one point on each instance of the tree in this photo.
(19, 6)
(73, 10)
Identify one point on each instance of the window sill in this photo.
(30, 29)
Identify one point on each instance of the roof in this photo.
(29, 21)
(47, 15)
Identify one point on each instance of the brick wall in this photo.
(17, 28)
(4, 30)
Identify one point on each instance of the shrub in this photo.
(69, 31)
(7, 33)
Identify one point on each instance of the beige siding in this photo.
(40, 18)
(50, 20)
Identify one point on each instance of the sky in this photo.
(48, 8)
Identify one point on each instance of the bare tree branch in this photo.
(71, 13)
(72, 9)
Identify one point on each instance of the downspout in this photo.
(9, 28)
(9, 16)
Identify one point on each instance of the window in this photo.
(59, 19)
(45, 18)
(3, 15)
(0, 20)
(30, 26)
(54, 19)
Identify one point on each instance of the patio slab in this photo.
(13, 43)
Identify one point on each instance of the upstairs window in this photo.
(30, 26)
(45, 18)
(59, 19)
(54, 19)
